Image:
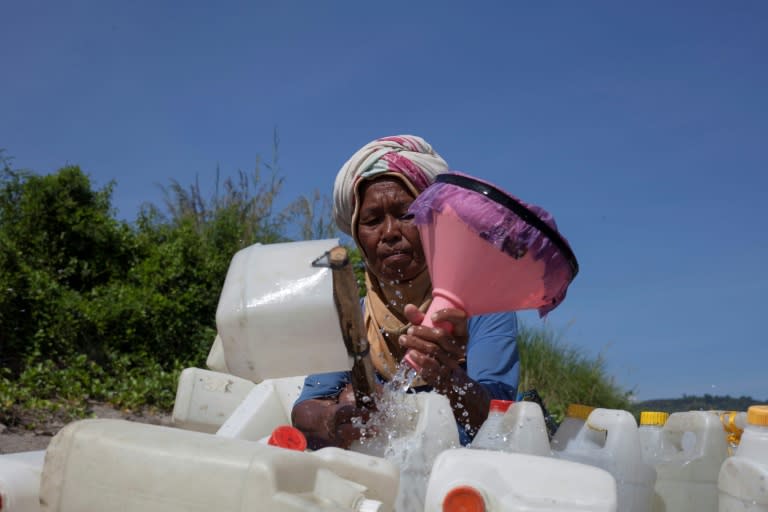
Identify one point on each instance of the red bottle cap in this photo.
(286, 436)
(500, 405)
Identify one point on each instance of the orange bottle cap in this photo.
(286, 436)
(501, 405)
(464, 498)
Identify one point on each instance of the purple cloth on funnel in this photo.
(502, 228)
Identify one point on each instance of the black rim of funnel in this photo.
(520, 210)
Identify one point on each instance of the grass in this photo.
(563, 374)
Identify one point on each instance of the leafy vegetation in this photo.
(706, 402)
(98, 309)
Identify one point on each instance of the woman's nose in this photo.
(391, 228)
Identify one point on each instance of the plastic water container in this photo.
(743, 478)
(266, 406)
(205, 399)
(609, 439)
(490, 436)
(650, 434)
(575, 417)
(482, 480)
(415, 429)
(20, 481)
(521, 429)
(215, 360)
(103, 465)
(693, 448)
(734, 423)
(276, 315)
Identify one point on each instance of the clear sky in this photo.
(643, 128)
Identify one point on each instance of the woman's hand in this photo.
(438, 351)
(330, 421)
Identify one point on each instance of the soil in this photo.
(20, 439)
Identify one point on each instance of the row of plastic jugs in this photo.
(670, 463)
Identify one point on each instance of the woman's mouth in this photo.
(397, 258)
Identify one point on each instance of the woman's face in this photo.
(387, 235)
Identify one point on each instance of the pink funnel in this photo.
(487, 251)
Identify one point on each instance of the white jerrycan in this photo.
(521, 429)
(20, 481)
(103, 465)
(609, 440)
(484, 480)
(413, 429)
(276, 315)
(734, 423)
(490, 435)
(743, 479)
(266, 406)
(575, 417)
(650, 433)
(205, 399)
(693, 447)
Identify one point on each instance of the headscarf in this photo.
(413, 161)
(409, 156)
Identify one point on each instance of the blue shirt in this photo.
(492, 361)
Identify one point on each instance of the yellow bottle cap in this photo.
(655, 418)
(579, 411)
(758, 415)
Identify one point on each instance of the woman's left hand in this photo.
(437, 350)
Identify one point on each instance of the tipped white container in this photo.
(205, 399)
(495, 481)
(521, 429)
(743, 478)
(266, 406)
(414, 430)
(693, 448)
(609, 440)
(215, 360)
(575, 417)
(20, 481)
(104, 465)
(276, 315)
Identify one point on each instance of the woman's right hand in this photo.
(330, 421)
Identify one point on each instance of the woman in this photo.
(471, 363)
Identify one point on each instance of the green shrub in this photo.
(65, 390)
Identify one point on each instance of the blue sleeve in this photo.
(323, 385)
(492, 356)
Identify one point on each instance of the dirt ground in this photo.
(21, 440)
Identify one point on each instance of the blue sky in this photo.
(643, 128)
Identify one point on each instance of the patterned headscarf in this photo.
(413, 161)
(407, 155)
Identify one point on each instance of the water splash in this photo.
(403, 379)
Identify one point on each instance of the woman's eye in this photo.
(371, 221)
(407, 217)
